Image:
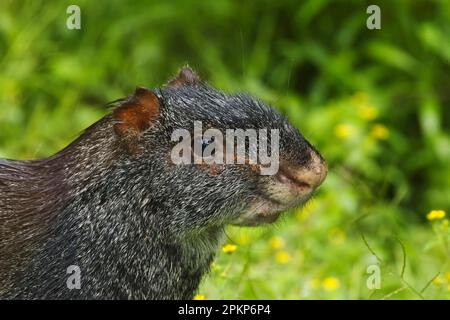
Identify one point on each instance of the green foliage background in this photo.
(375, 103)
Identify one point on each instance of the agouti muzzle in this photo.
(115, 216)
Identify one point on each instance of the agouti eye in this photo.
(206, 142)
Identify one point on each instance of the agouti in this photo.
(135, 224)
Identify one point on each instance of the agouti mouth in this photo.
(290, 180)
(291, 186)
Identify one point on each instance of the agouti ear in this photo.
(185, 77)
(134, 116)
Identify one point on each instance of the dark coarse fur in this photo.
(138, 226)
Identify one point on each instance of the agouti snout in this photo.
(139, 201)
(291, 186)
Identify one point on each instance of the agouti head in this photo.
(201, 177)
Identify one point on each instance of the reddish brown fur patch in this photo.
(254, 167)
(135, 115)
(215, 169)
(186, 76)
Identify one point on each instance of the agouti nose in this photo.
(309, 176)
(317, 172)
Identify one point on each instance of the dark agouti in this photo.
(133, 223)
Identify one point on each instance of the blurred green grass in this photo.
(374, 102)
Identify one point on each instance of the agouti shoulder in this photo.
(135, 207)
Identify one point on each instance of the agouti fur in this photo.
(136, 225)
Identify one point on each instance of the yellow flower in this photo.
(331, 283)
(367, 112)
(343, 131)
(336, 236)
(199, 297)
(229, 248)
(359, 98)
(304, 213)
(380, 132)
(435, 214)
(447, 277)
(314, 283)
(283, 257)
(437, 281)
(276, 243)
(445, 223)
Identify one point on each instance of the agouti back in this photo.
(136, 225)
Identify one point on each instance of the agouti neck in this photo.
(87, 213)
